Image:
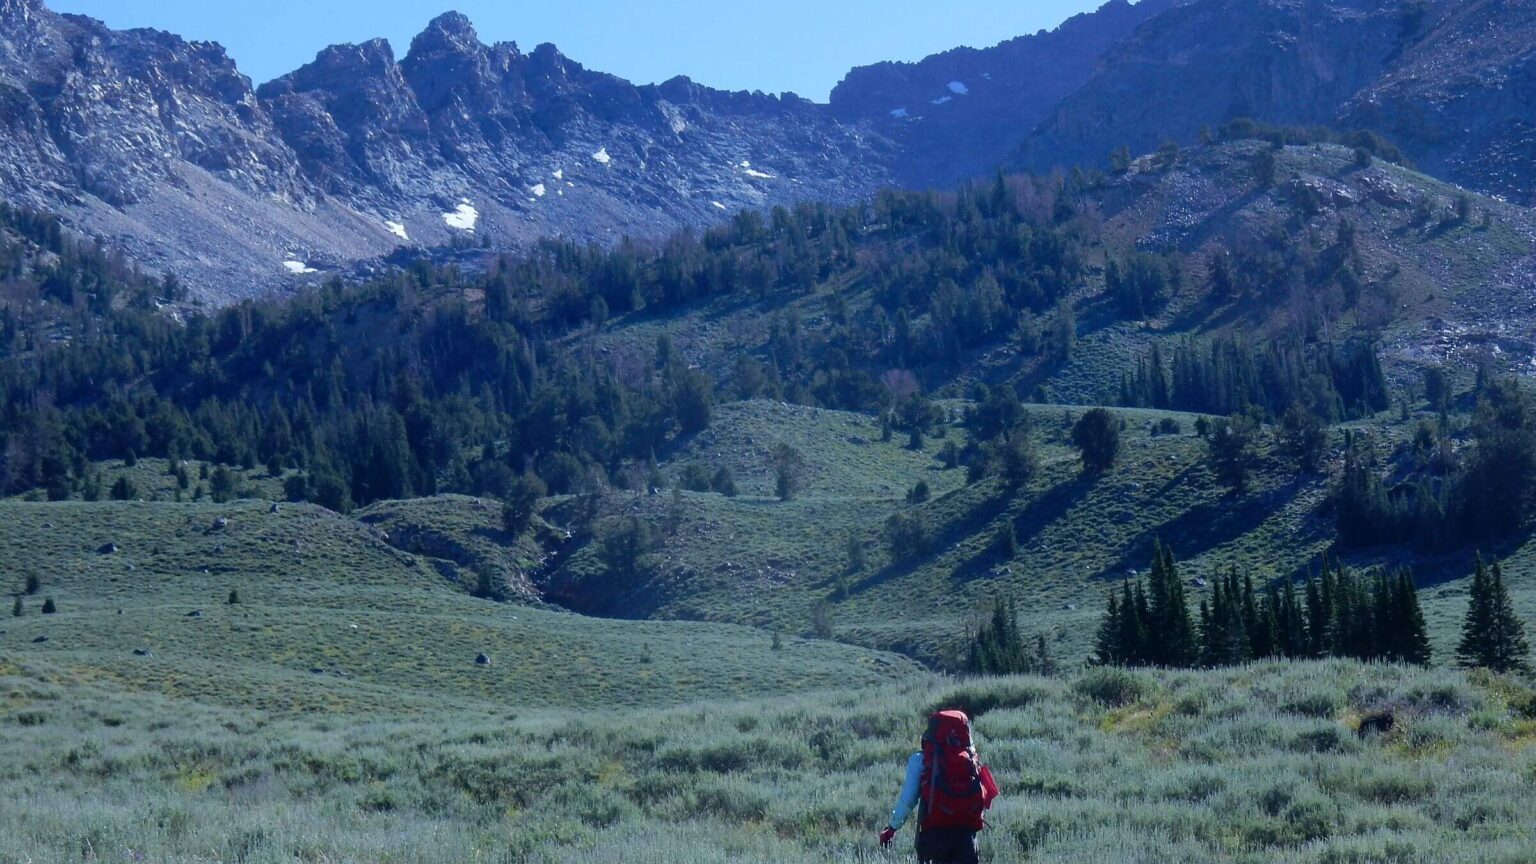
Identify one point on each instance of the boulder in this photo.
(140, 652)
(108, 549)
(482, 659)
(195, 613)
(39, 640)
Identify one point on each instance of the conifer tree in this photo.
(1492, 636)
(1171, 636)
(48, 606)
(1044, 661)
(17, 609)
(1412, 640)
(1107, 648)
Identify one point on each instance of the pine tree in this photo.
(1412, 633)
(1492, 636)
(1511, 651)
(1007, 541)
(33, 584)
(1107, 649)
(17, 609)
(48, 606)
(1171, 637)
(234, 597)
(1044, 662)
(1475, 647)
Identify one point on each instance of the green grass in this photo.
(1252, 765)
(330, 616)
(757, 561)
(465, 536)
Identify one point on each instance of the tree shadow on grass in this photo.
(1203, 528)
(952, 532)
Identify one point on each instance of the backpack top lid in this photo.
(950, 729)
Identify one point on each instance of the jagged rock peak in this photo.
(448, 32)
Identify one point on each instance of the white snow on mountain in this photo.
(464, 218)
(602, 157)
(958, 89)
(398, 229)
(299, 268)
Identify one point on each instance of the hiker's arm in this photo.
(909, 788)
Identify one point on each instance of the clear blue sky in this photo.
(803, 46)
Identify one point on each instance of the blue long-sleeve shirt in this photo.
(907, 801)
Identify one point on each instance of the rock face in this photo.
(1462, 97)
(1453, 83)
(163, 147)
(963, 113)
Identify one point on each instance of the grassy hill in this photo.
(332, 617)
(755, 560)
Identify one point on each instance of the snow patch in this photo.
(943, 99)
(559, 174)
(398, 229)
(747, 169)
(958, 88)
(601, 157)
(538, 190)
(900, 113)
(299, 268)
(720, 206)
(464, 218)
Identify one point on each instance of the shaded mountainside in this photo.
(1449, 82)
(962, 113)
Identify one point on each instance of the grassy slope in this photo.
(462, 536)
(331, 616)
(758, 561)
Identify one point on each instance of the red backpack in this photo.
(951, 787)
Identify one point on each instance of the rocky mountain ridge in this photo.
(165, 150)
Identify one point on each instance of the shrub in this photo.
(234, 597)
(1114, 687)
(33, 583)
(48, 607)
(993, 695)
(17, 609)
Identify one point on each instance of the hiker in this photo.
(949, 789)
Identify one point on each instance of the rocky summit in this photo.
(162, 147)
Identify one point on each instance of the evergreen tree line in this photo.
(1340, 613)
(1433, 496)
(999, 647)
(1226, 376)
(413, 384)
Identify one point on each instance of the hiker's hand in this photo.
(886, 835)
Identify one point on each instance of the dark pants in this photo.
(946, 846)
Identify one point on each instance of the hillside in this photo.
(585, 386)
(331, 617)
